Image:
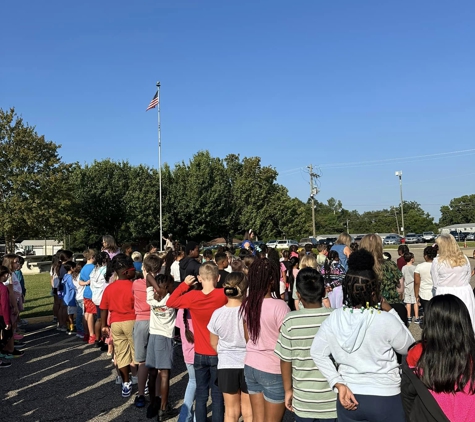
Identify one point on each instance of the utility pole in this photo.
(313, 192)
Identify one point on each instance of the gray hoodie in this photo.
(364, 345)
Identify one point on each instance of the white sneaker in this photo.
(126, 389)
(134, 380)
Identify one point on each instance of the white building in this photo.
(42, 246)
(464, 227)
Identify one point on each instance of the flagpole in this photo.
(160, 164)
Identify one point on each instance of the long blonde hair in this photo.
(373, 244)
(449, 251)
(343, 239)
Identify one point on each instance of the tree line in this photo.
(204, 198)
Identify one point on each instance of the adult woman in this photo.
(450, 273)
(363, 342)
(342, 246)
(109, 246)
(423, 284)
(388, 274)
(438, 382)
(247, 242)
(263, 315)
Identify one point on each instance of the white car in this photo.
(285, 244)
(271, 243)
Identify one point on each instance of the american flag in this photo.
(154, 102)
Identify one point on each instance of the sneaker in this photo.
(63, 329)
(167, 413)
(17, 336)
(92, 340)
(417, 320)
(134, 380)
(86, 337)
(409, 320)
(139, 401)
(99, 344)
(126, 389)
(15, 354)
(7, 364)
(72, 331)
(80, 335)
(118, 380)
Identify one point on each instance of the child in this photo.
(227, 338)
(322, 254)
(160, 345)
(185, 325)
(141, 333)
(69, 297)
(175, 268)
(137, 257)
(222, 262)
(207, 255)
(202, 304)
(334, 274)
(89, 308)
(97, 284)
(401, 251)
(118, 299)
(263, 315)
(5, 314)
(80, 321)
(307, 393)
(21, 279)
(189, 265)
(409, 295)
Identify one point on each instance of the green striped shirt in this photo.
(312, 395)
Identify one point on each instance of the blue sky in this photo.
(358, 89)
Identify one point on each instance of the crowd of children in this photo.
(319, 334)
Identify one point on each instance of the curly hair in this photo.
(449, 251)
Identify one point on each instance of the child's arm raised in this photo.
(150, 280)
(178, 299)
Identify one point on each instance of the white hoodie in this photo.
(364, 346)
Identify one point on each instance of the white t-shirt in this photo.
(13, 279)
(162, 318)
(227, 324)
(443, 275)
(98, 284)
(425, 289)
(175, 271)
(79, 289)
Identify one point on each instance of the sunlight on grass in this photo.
(38, 301)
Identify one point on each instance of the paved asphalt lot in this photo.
(60, 378)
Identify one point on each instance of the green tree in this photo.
(34, 182)
(460, 210)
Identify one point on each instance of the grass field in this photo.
(39, 301)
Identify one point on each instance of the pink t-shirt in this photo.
(188, 348)
(261, 355)
(142, 308)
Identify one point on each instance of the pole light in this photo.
(399, 174)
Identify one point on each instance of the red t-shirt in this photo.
(118, 299)
(201, 307)
(401, 262)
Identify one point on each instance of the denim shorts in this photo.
(270, 385)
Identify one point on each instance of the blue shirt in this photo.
(137, 266)
(84, 275)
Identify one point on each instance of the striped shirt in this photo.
(312, 396)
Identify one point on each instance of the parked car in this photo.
(329, 241)
(358, 238)
(392, 239)
(470, 236)
(459, 236)
(428, 237)
(271, 243)
(285, 244)
(411, 238)
(307, 240)
(420, 238)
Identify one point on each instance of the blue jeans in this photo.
(206, 371)
(79, 315)
(186, 411)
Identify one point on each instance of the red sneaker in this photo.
(86, 337)
(92, 340)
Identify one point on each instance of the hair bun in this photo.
(361, 260)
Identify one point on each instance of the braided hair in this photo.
(262, 274)
(361, 285)
(118, 265)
